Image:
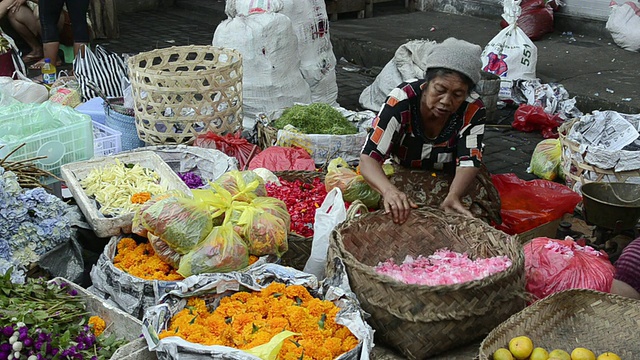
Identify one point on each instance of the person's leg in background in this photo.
(78, 13)
(50, 11)
(27, 25)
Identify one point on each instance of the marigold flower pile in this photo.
(245, 320)
(141, 261)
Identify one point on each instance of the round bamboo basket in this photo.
(183, 91)
(573, 318)
(422, 321)
(299, 246)
(580, 172)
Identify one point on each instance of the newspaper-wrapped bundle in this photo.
(335, 289)
(601, 147)
(131, 293)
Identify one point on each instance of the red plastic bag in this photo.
(536, 18)
(529, 118)
(278, 158)
(233, 145)
(555, 265)
(528, 204)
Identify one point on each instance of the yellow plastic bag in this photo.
(223, 250)
(270, 350)
(546, 158)
(243, 185)
(263, 224)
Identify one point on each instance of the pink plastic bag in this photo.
(528, 204)
(555, 265)
(277, 158)
(529, 118)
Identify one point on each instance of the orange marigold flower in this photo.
(141, 261)
(97, 325)
(141, 197)
(245, 320)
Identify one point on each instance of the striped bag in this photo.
(102, 68)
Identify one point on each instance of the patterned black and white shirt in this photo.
(398, 132)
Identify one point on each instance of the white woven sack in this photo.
(624, 25)
(510, 54)
(317, 60)
(270, 62)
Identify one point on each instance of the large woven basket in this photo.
(299, 246)
(183, 91)
(565, 320)
(422, 321)
(580, 172)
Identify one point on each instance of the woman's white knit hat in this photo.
(458, 55)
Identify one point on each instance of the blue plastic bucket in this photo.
(126, 125)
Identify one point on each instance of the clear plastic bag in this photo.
(180, 222)
(242, 185)
(353, 186)
(164, 252)
(546, 158)
(223, 250)
(264, 225)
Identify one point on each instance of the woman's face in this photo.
(444, 95)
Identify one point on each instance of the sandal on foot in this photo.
(29, 58)
(40, 63)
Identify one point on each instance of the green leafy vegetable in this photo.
(316, 118)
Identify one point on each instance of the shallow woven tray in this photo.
(422, 321)
(580, 172)
(299, 246)
(574, 318)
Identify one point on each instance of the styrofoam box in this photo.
(113, 226)
(94, 108)
(62, 145)
(123, 325)
(106, 141)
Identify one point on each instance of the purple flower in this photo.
(192, 180)
(6, 347)
(7, 331)
(4, 355)
(73, 292)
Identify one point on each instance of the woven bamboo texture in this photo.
(574, 318)
(267, 135)
(581, 172)
(422, 321)
(183, 91)
(299, 246)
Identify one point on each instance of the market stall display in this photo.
(446, 316)
(183, 91)
(318, 322)
(584, 318)
(104, 224)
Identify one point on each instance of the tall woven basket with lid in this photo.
(422, 321)
(183, 91)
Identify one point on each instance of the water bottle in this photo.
(48, 73)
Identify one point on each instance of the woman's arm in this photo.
(464, 176)
(394, 201)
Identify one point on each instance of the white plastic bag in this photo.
(332, 212)
(25, 91)
(624, 25)
(510, 54)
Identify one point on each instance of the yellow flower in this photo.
(97, 325)
(141, 261)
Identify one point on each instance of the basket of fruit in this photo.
(459, 277)
(572, 324)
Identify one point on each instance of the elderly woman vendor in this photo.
(434, 124)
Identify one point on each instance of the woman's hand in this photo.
(453, 205)
(397, 204)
